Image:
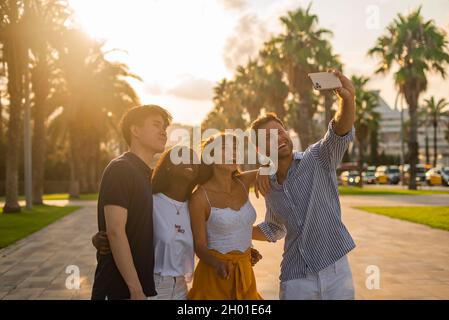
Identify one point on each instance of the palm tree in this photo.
(424, 121)
(274, 90)
(248, 80)
(374, 143)
(298, 46)
(328, 60)
(415, 47)
(228, 110)
(366, 117)
(1, 117)
(15, 55)
(94, 89)
(435, 111)
(447, 131)
(213, 117)
(2, 76)
(46, 22)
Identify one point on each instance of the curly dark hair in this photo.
(162, 177)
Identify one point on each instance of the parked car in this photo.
(433, 177)
(350, 178)
(369, 176)
(445, 176)
(388, 175)
(420, 174)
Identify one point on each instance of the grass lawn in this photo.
(63, 196)
(15, 226)
(435, 217)
(367, 191)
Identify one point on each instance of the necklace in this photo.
(178, 227)
(177, 208)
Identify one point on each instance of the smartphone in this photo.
(325, 81)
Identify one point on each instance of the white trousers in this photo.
(333, 283)
(170, 288)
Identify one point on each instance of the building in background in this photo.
(390, 135)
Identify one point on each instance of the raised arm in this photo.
(330, 150)
(345, 116)
(116, 217)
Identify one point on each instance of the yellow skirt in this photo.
(208, 285)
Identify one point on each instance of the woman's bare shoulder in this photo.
(198, 198)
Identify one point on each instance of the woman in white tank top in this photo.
(222, 218)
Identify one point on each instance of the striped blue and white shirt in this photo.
(305, 209)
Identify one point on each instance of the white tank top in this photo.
(228, 229)
(173, 239)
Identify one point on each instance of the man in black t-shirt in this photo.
(125, 209)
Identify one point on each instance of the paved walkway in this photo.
(413, 259)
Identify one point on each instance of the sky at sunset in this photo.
(182, 48)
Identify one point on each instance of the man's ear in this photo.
(135, 132)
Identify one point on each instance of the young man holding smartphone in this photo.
(303, 205)
(125, 209)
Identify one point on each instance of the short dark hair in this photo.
(263, 120)
(137, 115)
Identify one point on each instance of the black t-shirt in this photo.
(126, 182)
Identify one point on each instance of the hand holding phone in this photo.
(325, 81)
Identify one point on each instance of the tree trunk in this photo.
(360, 164)
(74, 187)
(304, 128)
(39, 152)
(83, 172)
(435, 146)
(361, 136)
(92, 170)
(412, 101)
(41, 89)
(12, 158)
(1, 118)
(426, 141)
(81, 153)
(373, 147)
(14, 60)
(92, 175)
